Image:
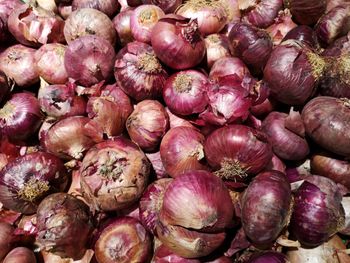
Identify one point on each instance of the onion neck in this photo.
(344, 69)
(33, 189)
(147, 16)
(183, 83)
(149, 63)
(231, 169)
(317, 63)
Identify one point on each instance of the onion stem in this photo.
(33, 189)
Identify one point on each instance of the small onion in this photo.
(138, 71)
(143, 20)
(303, 34)
(6, 232)
(64, 225)
(109, 7)
(122, 25)
(168, 6)
(306, 12)
(325, 120)
(20, 254)
(268, 257)
(282, 25)
(6, 7)
(17, 63)
(177, 42)
(217, 46)
(181, 150)
(147, 124)
(123, 240)
(20, 117)
(164, 255)
(89, 21)
(114, 174)
(229, 66)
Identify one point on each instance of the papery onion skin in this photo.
(17, 63)
(138, 71)
(229, 66)
(346, 205)
(5, 240)
(283, 72)
(109, 7)
(20, 117)
(303, 34)
(266, 205)
(20, 254)
(325, 120)
(64, 225)
(217, 46)
(121, 24)
(164, 255)
(177, 42)
(89, 21)
(282, 25)
(276, 164)
(114, 174)
(185, 92)
(306, 12)
(123, 240)
(168, 6)
(182, 149)
(147, 124)
(268, 257)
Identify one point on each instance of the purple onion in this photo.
(121, 24)
(218, 46)
(229, 66)
(306, 12)
(303, 34)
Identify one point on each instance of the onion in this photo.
(89, 21)
(306, 12)
(181, 150)
(123, 240)
(164, 255)
(292, 72)
(6, 7)
(20, 254)
(20, 117)
(282, 25)
(64, 225)
(67, 138)
(318, 213)
(326, 124)
(211, 15)
(185, 92)
(177, 42)
(229, 66)
(217, 46)
(268, 257)
(303, 34)
(253, 45)
(6, 232)
(168, 6)
(260, 13)
(109, 7)
(147, 124)
(143, 20)
(6, 85)
(138, 71)
(157, 165)
(114, 174)
(122, 25)
(17, 63)
(235, 151)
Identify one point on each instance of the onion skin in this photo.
(121, 24)
(217, 46)
(157, 165)
(168, 6)
(147, 124)
(346, 205)
(123, 240)
(303, 34)
(283, 24)
(5, 239)
(326, 125)
(109, 7)
(64, 225)
(114, 174)
(306, 12)
(177, 42)
(266, 205)
(268, 257)
(182, 149)
(229, 66)
(164, 255)
(138, 71)
(20, 254)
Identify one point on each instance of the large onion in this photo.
(306, 12)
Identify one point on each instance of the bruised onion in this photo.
(325, 120)
(177, 42)
(64, 225)
(283, 24)
(89, 21)
(303, 34)
(164, 255)
(20, 117)
(181, 149)
(229, 66)
(292, 72)
(147, 124)
(109, 7)
(6, 232)
(185, 92)
(306, 12)
(168, 6)
(114, 174)
(123, 240)
(20, 254)
(235, 151)
(17, 63)
(217, 46)
(138, 71)
(268, 257)
(122, 25)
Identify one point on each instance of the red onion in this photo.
(20, 254)
(64, 225)
(266, 207)
(5, 238)
(17, 63)
(143, 20)
(109, 7)
(168, 6)
(260, 13)
(306, 12)
(292, 72)
(20, 117)
(67, 138)
(283, 24)
(6, 85)
(114, 174)
(217, 46)
(325, 120)
(121, 24)
(147, 124)
(253, 45)
(123, 240)
(211, 15)
(185, 92)
(89, 21)
(318, 213)
(138, 71)
(236, 150)
(157, 165)
(181, 150)
(163, 255)
(303, 34)
(177, 42)
(229, 66)
(268, 257)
